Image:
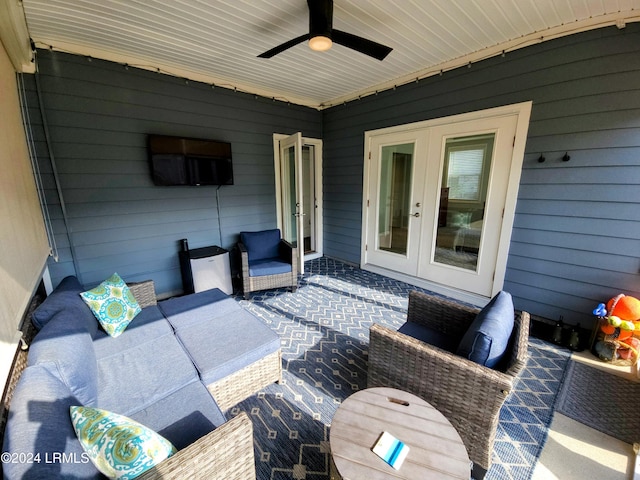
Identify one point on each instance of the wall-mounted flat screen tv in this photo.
(189, 161)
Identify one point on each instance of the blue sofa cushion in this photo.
(430, 336)
(183, 416)
(148, 324)
(38, 423)
(487, 338)
(63, 296)
(182, 312)
(214, 329)
(268, 266)
(65, 343)
(261, 245)
(133, 378)
(241, 332)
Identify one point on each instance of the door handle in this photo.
(417, 214)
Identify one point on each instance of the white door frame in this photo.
(523, 112)
(317, 144)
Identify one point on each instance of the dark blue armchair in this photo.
(268, 261)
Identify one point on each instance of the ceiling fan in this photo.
(322, 34)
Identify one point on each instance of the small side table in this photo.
(436, 449)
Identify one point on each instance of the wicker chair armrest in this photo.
(286, 251)
(144, 292)
(520, 348)
(394, 356)
(440, 314)
(244, 255)
(289, 253)
(224, 454)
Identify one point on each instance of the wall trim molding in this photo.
(14, 35)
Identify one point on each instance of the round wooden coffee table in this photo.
(436, 449)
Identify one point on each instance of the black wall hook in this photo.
(566, 157)
(541, 158)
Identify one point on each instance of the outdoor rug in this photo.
(324, 327)
(601, 400)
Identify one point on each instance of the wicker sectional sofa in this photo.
(179, 364)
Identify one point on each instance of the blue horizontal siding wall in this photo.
(576, 238)
(98, 115)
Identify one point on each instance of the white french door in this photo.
(436, 194)
(298, 168)
(468, 170)
(291, 192)
(394, 198)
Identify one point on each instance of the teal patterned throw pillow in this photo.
(113, 304)
(118, 446)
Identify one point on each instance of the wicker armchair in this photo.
(259, 253)
(470, 395)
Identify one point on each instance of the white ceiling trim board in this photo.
(619, 20)
(134, 62)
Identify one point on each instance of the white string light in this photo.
(155, 69)
(436, 71)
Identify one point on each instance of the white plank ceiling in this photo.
(217, 41)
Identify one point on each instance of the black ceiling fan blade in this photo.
(284, 46)
(362, 45)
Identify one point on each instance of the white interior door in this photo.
(292, 197)
(394, 201)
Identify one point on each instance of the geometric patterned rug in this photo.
(324, 328)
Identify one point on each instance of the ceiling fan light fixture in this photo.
(322, 35)
(320, 43)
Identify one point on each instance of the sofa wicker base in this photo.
(240, 385)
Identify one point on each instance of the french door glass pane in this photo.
(288, 172)
(309, 197)
(463, 193)
(396, 166)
